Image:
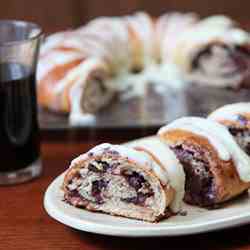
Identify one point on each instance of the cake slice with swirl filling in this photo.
(236, 117)
(216, 168)
(123, 181)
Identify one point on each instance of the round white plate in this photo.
(197, 220)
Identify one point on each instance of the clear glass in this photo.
(19, 132)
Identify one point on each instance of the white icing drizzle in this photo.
(173, 171)
(53, 60)
(144, 28)
(116, 41)
(166, 28)
(79, 74)
(230, 111)
(195, 125)
(217, 21)
(162, 77)
(52, 41)
(219, 137)
(237, 36)
(93, 47)
(79, 118)
(125, 152)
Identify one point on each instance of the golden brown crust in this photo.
(227, 180)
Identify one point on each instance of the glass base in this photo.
(22, 175)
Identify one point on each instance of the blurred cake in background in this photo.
(81, 71)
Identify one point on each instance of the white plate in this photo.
(197, 220)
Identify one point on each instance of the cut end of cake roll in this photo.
(119, 181)
(214, 52)
(92, 87)
(236, 117)
(214, 165)
(220, 65)
(65, 75)
(195, 158)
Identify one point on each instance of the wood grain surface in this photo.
(25, 224)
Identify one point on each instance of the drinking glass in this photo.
(19, 132)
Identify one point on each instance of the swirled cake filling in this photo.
(103, 181)
(199, 185)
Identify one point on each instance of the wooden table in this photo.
(25, 224)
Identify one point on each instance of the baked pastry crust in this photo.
(227, 181)
(120, 160)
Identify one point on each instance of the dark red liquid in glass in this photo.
(19, 141)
